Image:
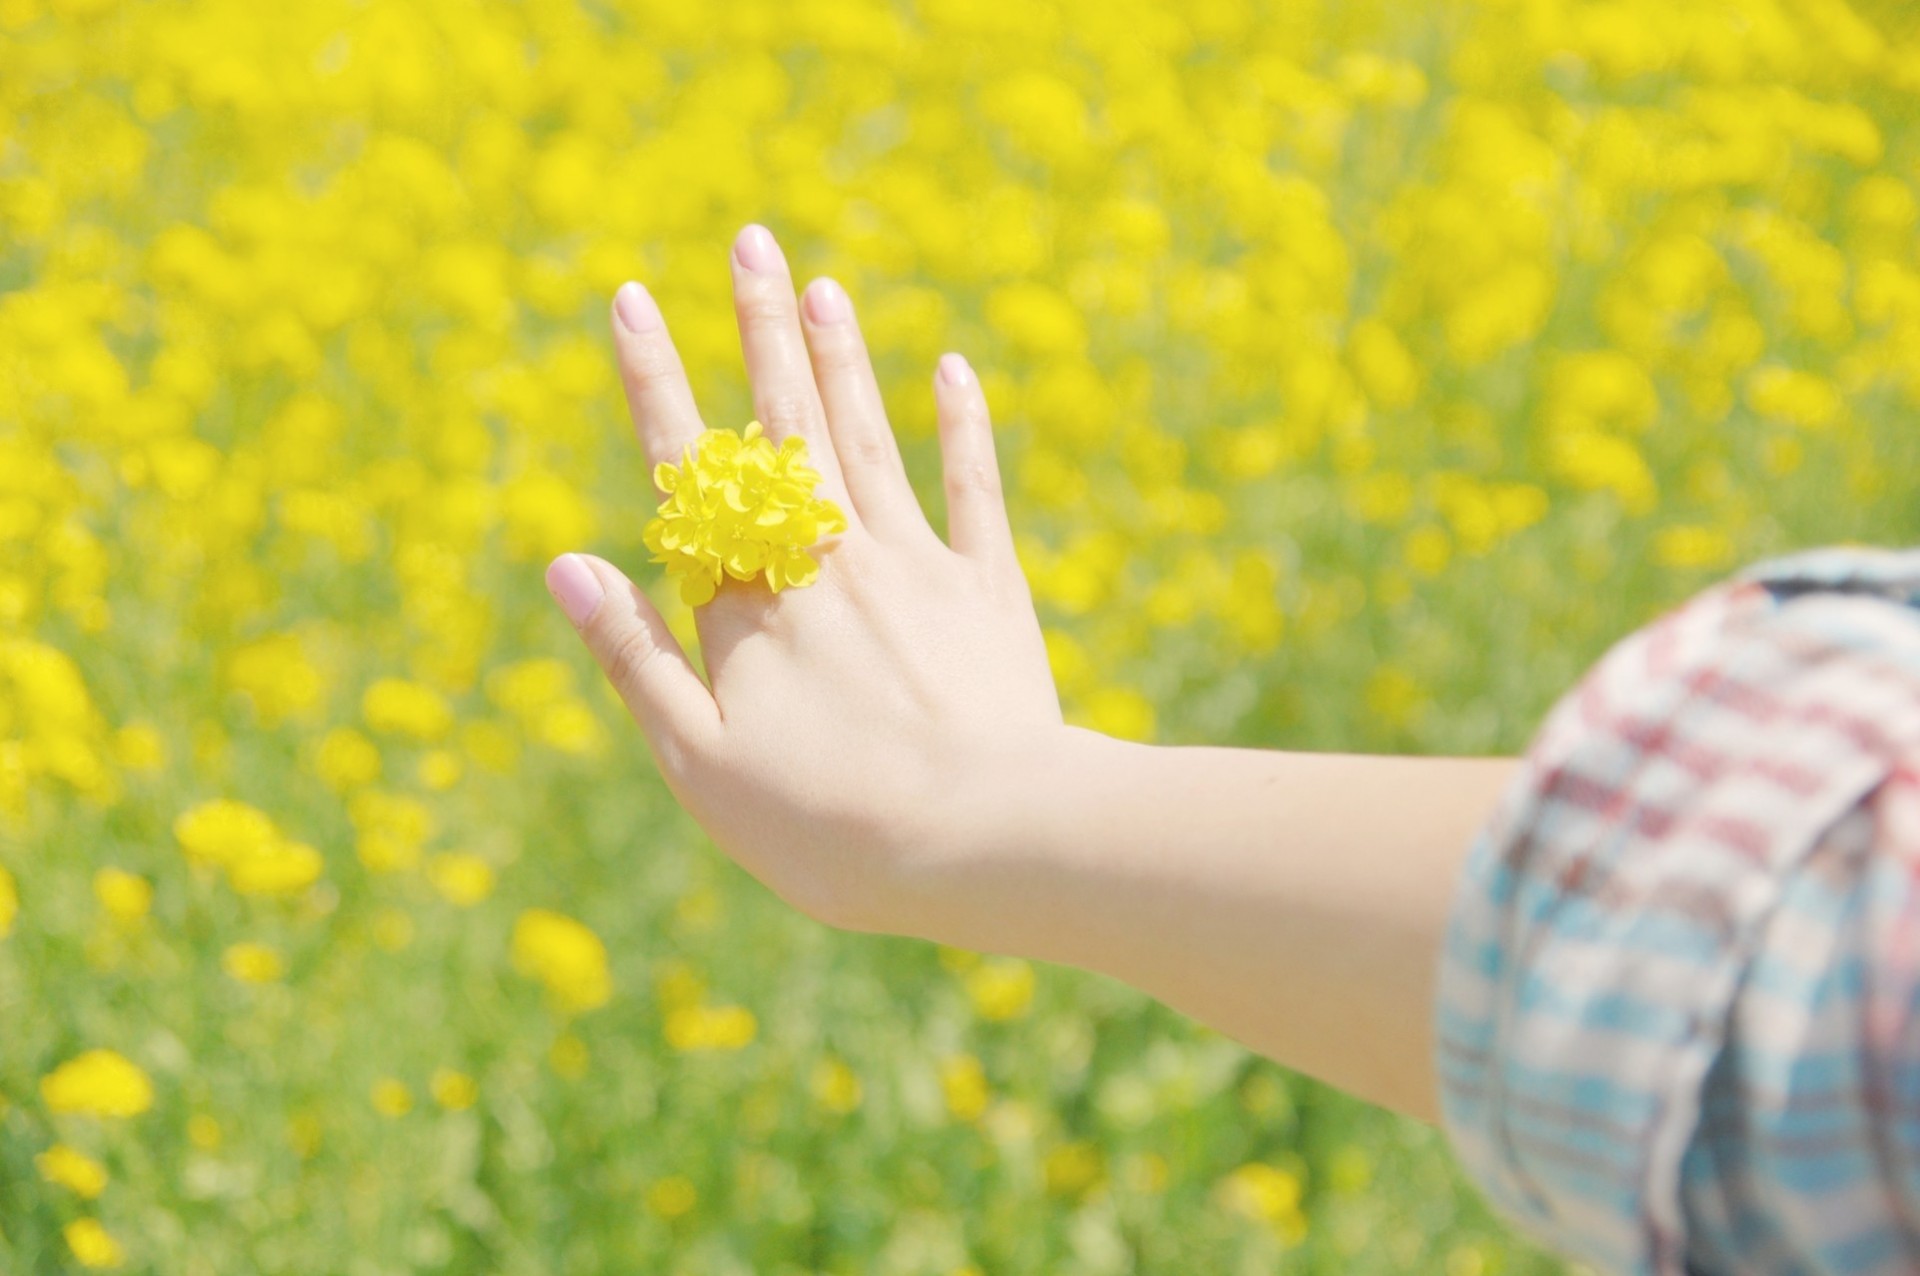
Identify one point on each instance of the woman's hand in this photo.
(856, 729)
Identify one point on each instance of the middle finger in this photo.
(785, 398)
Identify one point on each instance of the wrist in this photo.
(1018, 875)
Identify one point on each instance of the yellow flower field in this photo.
(1362, 369)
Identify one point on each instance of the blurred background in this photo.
(1361, 370)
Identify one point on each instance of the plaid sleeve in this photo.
(1675, 1019)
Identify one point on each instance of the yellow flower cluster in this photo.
(737, 506)
(243, 842)
(97, 1083)
(564, 955)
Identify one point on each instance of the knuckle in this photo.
(868, 448)
(763, 304)
(628, 653)
(786, 411)
(974, 478)
(649, 366)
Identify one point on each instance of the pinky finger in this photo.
(976, 505)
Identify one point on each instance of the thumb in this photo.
(639, 655)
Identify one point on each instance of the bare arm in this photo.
(1294, 901)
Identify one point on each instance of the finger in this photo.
(658, 396)
(870, 463)
(976, 506)
(784, 397)
(640, 656)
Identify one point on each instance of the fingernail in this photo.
(637, 310)
(575, 587)
(954, 370)
(826, 302)
(756, 250)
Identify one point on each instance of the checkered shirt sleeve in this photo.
(1676, 1027)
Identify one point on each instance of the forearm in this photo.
(1296, 902)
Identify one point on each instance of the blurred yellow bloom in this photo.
(253, 963)
(963, 1083)
(440, 770)
(836, 1087)
(123, 896)
(346, 759)
(1001, 988)
(1693, 547)
(391, 1097)
(395, 706)
(72, 1169)
(9, 903)
(737, 506)
(711, 1028)
(392, 929)
(564, 955)
(218, 832)
(139, 747)
(1071, 1169)
(1269, 1194)
(461, 878)
(671, 1197)
(569, 1057)
(454, 1091)
(92, 1246)
(282, 868)
(204, 1132)
(99, 1083)
(392, 828)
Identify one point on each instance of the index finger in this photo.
(658, 396)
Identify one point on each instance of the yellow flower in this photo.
(1001, 988)
(1073, 1168)
(711, 1028)
(221, 831)
(565, 956)
(454, 1091)
(72, 1169)
(125, 897)
(283, 868)
(963, 1083)
(671, 1197)
(736, 506)
(9, 903)
(346, 759)
(836, 1087)
(92, 1246)
(395, 706)
(100, 1083)
(1268, 1194)
(252, 963)
(391, 1098)
(461, 878)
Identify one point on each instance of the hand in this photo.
(856, 729)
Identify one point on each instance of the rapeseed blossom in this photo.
(564, 955)
(97, 1083)
(72, 1169)
(94, 1247)
(737, 506)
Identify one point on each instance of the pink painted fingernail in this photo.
(575, 587)
(826, 302)
(756, 250)
(636, 307)
(954, 370)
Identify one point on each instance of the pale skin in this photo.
(884, 748)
